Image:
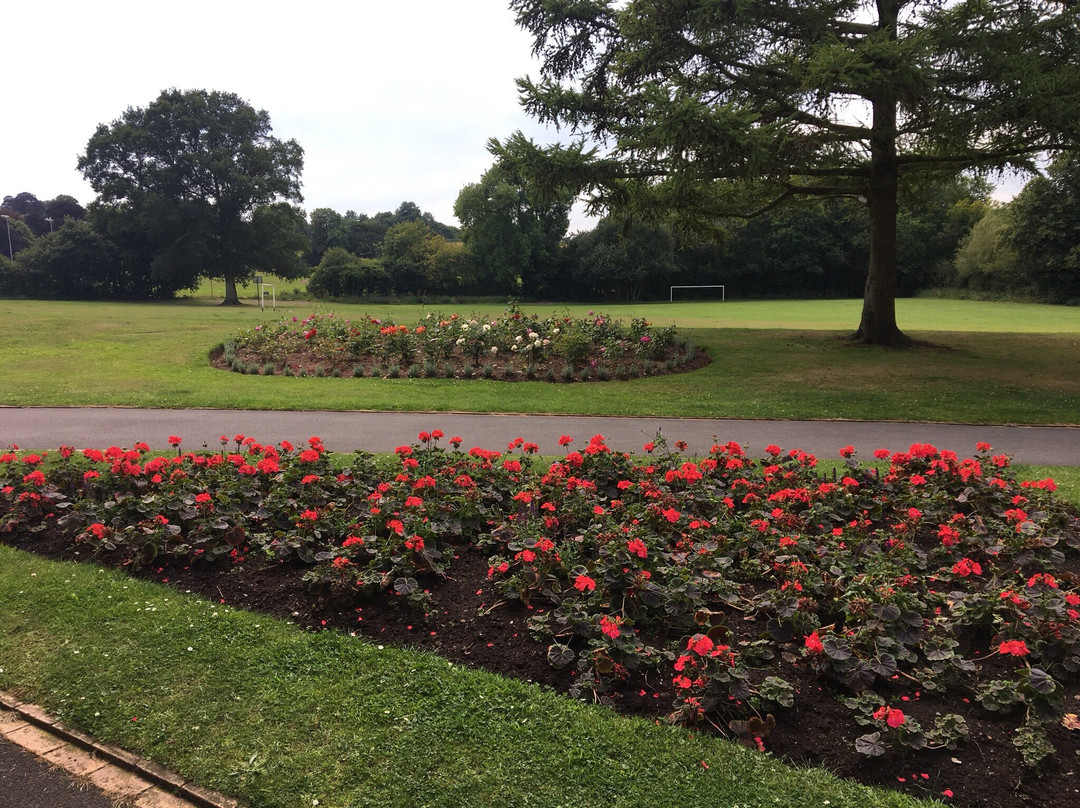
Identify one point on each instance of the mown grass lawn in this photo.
(986, 363)
(281, 718)
(278, 717)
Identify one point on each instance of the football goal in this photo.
(699, 296)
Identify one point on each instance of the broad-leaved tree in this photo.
(201, 172)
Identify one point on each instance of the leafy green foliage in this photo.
(708, 110)
(76, 262)
(342, 274)
(206, 182)
(1044, 231)
(511, 232)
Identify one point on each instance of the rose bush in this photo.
(513, 346)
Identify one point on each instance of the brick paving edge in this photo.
(148, 770)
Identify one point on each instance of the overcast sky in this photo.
(391, 100)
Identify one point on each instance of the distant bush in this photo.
(342, 274)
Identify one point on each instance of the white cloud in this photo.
(390, 101)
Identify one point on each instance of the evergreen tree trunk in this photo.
(231, 298)
(878, 323)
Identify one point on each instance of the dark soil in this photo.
(470, 625)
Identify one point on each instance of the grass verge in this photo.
(277, 717)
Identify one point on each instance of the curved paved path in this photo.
(49, 427)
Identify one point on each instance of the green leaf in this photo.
(870, 744)
(559, 655)
(836, 648)
(884, 665)
(1041, 682)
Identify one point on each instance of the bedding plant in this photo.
(513, 347)
(914, 625)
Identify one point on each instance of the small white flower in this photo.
(537, 344)
(555, 331)
(533, 335)
(494, 349)
(486, 328)
(518, 338)
(460, 341)
(513, 347)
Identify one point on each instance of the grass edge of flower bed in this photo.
(254, 707)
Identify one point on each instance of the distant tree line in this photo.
(814, 249)
(513, 244)
(951, 237)
(194, 186)
(1030, 247)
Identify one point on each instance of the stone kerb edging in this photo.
(148, 770)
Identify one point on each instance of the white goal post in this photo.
(261, 288)
(671, 292)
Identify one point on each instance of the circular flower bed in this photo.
(513, 347)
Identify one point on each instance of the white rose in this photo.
(555, 331)
(486, 328)
(494, 349)
(461, 341)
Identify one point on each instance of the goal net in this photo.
(710, 292)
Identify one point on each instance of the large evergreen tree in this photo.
(716, 108)
(208, 184)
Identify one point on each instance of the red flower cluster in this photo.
(1013, 647)
(893, 717)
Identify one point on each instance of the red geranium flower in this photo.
(609, 627)
(583, 583)
(1013, 647)
(893, 717)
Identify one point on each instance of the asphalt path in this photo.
(27, 781)
(100, 427)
